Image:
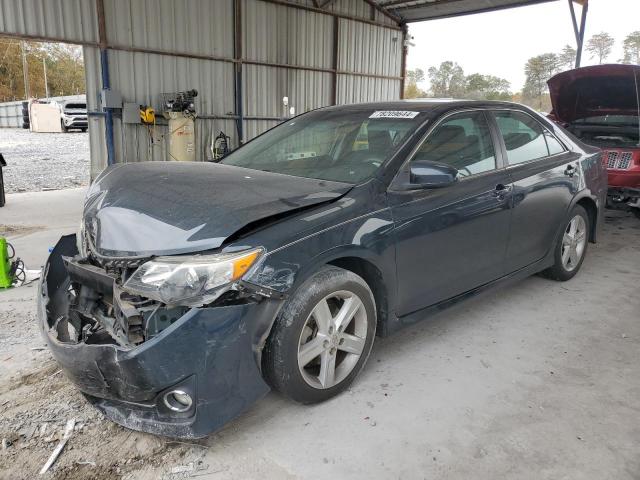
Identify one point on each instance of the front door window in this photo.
(462, 141)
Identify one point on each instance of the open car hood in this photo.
(594, 91)
(167, 208)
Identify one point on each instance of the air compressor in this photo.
(179, 110)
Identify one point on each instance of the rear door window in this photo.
(553, 143)
(524, 137)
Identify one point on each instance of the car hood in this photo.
(594, 91)
(167, 208)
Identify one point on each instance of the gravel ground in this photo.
(44, 161)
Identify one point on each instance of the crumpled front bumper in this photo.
(210, 353)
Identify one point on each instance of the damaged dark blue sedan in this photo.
(192, 289)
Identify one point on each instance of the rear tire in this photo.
(571, 248)
(636, 212)
(322, 338)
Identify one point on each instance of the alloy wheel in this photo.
(332, 339)
(574, 242)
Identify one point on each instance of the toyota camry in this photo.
(192, 289)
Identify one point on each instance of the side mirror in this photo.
(424, 174)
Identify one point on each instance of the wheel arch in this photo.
(374, 278)
(591, 208)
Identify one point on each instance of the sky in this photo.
(500, 43)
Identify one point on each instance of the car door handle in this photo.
(570, 171)
(501, 191)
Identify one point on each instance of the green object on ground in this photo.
(6, 278)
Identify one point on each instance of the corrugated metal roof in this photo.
(417, 10)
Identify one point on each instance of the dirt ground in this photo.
(539, 380)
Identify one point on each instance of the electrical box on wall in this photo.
(110, 99)
(131, 113)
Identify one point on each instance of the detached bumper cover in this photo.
(210, 353)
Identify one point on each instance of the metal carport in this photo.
(243, 56)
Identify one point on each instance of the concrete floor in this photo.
(540, 380)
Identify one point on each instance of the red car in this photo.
(601, 106)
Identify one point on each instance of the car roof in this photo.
(426, 105)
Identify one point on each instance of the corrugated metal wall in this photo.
(161, 46)
(372, 50)
(190, 27)
(283, 35)
(142, 78)
(11, 114)
(69, 20)
(201, 27)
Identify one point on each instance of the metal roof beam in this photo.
(416, 11)
(308, 8)
(579, 30)
(384, 11)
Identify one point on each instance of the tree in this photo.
(447, 80)
(415, 76)
(486, 87)
(600, 46)
(65, 69)
(538, 70)
(631, 48)
(411, 89)
(567, 58)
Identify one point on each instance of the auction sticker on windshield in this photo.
(393, 114)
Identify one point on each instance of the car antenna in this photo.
(635, 78)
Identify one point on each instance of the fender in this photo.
(369, 238)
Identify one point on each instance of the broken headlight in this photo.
(190, 280)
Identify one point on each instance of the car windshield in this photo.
(345, 145)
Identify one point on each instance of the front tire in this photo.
(572, 246)
(322, 338)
